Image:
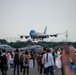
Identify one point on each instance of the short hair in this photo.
(17, 50)
(44, 48)
(48, 50)
(3, 50)
(26, 52)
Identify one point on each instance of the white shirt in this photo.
(50, 60)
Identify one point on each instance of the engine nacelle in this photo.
(26, 37)
(21, 37)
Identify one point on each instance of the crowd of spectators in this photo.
(47, 61)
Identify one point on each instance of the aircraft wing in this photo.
(55, 35)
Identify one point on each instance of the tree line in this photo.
(29, 43)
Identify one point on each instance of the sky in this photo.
(18, 17)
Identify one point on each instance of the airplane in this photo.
(32, 48)
(39, 36)
(6, 47)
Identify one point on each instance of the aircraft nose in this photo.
(32, 32)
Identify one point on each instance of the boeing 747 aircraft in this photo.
(39, 36)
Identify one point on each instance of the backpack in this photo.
(38, 59)
(26, 61)
(16, 58)
(21, 57)
(4, 59)
(1, 61)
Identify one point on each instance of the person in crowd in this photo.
(48, 62)
(58, 62)
(66, 55)
(38, 60)
(42, 69)
(10, 59)
(73, 60)
(55, 53)
(16, 61)
(21, 60)
(34, 58)
(5, 66)
(26, 59)
(1, 63)
(31, 58)
(62, 67)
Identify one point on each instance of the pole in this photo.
(66, 36)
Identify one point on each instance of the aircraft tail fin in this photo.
(45, 30)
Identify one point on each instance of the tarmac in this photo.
(33, 71)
